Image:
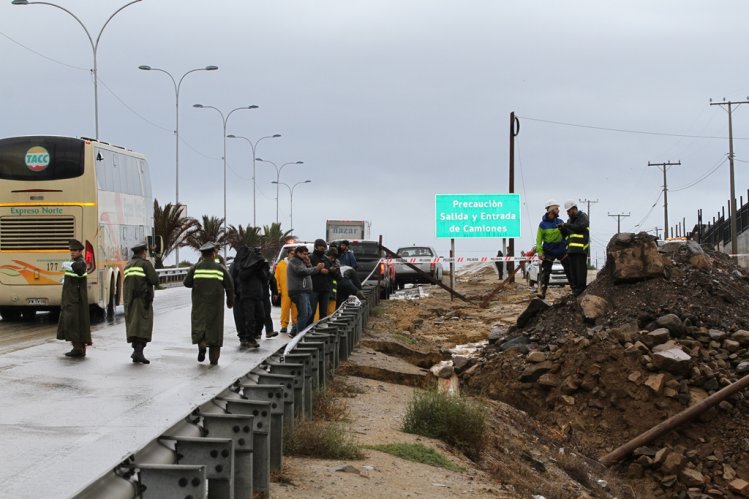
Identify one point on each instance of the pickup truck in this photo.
(367, 257)
(406, 274)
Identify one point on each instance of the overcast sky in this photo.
(391, 102)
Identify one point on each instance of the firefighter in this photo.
(140, 278)
(74, 324)
(209, 281)
(577, 229)
(287, 306)
(550, 245)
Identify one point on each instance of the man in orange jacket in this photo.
(287, 306)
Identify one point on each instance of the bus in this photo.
(54, 189)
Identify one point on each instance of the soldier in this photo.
(140, 278)
(209, 281)
(74, 324)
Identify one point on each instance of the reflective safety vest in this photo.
(209, 274)
(578, 243)
(134, 272)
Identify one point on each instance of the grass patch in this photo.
(323, 440)
(403, 338)
(418, 453)
(457, 421)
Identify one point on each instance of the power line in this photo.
(623, 130)
(619, 220)
(703, 177)
(42, 55)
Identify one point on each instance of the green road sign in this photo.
(477, 215)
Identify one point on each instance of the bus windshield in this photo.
(41, 158)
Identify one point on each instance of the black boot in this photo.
(137, 355)
(201, 352)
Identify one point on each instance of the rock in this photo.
(347, 469)
(536, 357)
(660, 456)
(696, 395)
(739, 486)
(460, 362)
(443, 370)
(535, 371)
(716, 334)
(691, 477)
(672, 323)
(549, 379)
(670, 393)
(656, 337)
(635, 377)
(634, 257)
(728, 472)
(674, 360)
(535, 307)
(731, 345)
(517, 343)
(711, 384)
(672, 463)
(742, 368)
(593, 306)
(742, 336)
(569, 386)
(644, 451)
(656, 383)
(635, 470)
(568, 399)
(496, 334)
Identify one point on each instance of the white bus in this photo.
(53, 189)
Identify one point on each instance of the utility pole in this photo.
(732, 214)
(665, 194)
(590, 240)
(619, 220)
(514, 130)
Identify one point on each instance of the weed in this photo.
(456, 420)
(329, 407)
(403, 338)
(323, 440)
(418, 453)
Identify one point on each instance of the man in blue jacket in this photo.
(550, 245)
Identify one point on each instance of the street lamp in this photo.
(94, 46)
(278, 176)
(291, 198)
(177, 86)
(224, 119)
(253, 146)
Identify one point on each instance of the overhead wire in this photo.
(42, 55)
(703, 177)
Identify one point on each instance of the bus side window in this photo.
(132, 175)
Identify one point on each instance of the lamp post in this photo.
(253, 145)
(94, 46)
(278, 176)
(291, 198)
(224, 120)
(177, 86)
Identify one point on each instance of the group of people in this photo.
(567, 242)
(309, 287)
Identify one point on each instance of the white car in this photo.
(557, 278)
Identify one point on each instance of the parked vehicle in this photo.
(406, 274)
(367, 257)
(557, 278)
(281, 256)
(347, 229)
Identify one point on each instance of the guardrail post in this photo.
(170, 481)
(217, 454)
(237, 427)
(315, 366)
(304, 358)
(261, 425)
(275, 395)
(287, 383)
(297, 371)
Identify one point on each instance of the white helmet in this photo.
(550, 203)
(569, 204)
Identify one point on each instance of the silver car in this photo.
(405, 274)
(557, 277)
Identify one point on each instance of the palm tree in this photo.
(273, 239)
(169, 223)
(239, 236)
(210, 230)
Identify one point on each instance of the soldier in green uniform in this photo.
(209, 281)
(140, 278)
(74, 324)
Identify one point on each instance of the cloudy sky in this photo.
(391, 102)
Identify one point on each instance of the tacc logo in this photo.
(37, 159)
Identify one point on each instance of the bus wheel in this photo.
(10, 314)
(28, 315)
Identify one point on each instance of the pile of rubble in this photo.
(659, 330)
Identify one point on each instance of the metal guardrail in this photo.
(172, 275)
(233, 442)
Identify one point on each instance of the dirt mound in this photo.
(660, 329)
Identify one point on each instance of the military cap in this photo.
(139, 247)
(209, 246)
(75, 244)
